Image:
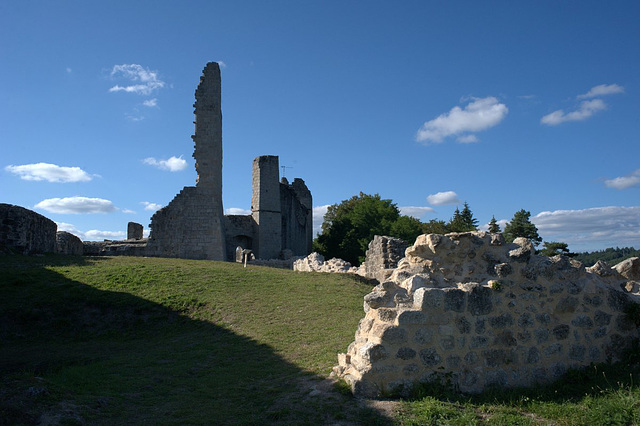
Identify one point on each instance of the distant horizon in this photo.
(510, 106)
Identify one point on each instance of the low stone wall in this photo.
(67, 243)
(315, 263)
(25, 231)
(472, 311)
(382, 256)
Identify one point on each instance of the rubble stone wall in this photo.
(67, 243)
(472, 311)
(382, 256)
(25, 231)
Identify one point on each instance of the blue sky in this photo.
(505, 105)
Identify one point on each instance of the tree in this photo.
(435, 226)
(463, 221)
(494, 228)
(521, 226)
(349, 226)
(553, 248)
(407, 228)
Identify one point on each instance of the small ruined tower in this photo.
(192, 225)
(266, 208)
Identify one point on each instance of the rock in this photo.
(67, 243)
(630, 268)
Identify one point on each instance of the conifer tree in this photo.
(494, 228)
(463, 221)
(521, 226)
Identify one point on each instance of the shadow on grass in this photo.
(72, 354)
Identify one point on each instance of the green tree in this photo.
(349, 226)
(521, 226)
(494, 228)
(435, 226)
(553, 248)
(407, 228)
(463, 221)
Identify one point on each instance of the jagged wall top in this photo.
(208, 129)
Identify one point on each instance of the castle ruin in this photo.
(193, 225)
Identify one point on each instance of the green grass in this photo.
(166, 341)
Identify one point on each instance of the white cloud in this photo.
(96, 235)
(624, 182)
(150, 103)
(415, 211)
(443, 198)
(127, 211)
(173, 164)
(91, 235)
(222, 64)
(501, 223)
(318, 218)
(584, 111)
(152, 207)
(146, 80)
(602, 90)
(237, 211)
(591, 229)
(468, 139)
(478, 115)
(50, 173)
(76, 205)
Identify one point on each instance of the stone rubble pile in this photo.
(471, 311)
(315, 263)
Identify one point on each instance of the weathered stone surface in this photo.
(26, 232)
(539, 317)
(315, 263)
(630, 268)
(134, 231)
(382, 256)
(67, 243)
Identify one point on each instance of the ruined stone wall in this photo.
(25, 231)
(192, 225)
(476, 312)
(382, 257)
(134, 231)
(239, 230)
(67, 243)
(265, 207)
(297, 217)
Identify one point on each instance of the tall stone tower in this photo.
(266, 208)
(192, 225)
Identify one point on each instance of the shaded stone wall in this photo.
(134, 231)
(265, 207)
(192, 225)
(239, 231)
(25, 231)
(477, 312)
(67, 243)
(297, 217)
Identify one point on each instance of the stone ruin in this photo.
(193, 225)
(134, 231)
(471, 311)
(67, 243)
(26, 232)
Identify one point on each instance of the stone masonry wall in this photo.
(297, 217)
(476, 312)
(67, 243)
(192, 225)
(26, 231)
(383, 255)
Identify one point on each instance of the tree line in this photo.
(350, 225)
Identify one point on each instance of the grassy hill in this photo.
(167, 341)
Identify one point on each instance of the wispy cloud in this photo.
(145, 81)
(602, 90)
(415, 211)
(624, 182)
(591, 229)
(173, 164)
(480, 114)
(443, 198)
(584, 111)
(237, 211)
(222, 64)
(152, 207)
(50, 173)
(76, 205)
(150, 103)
